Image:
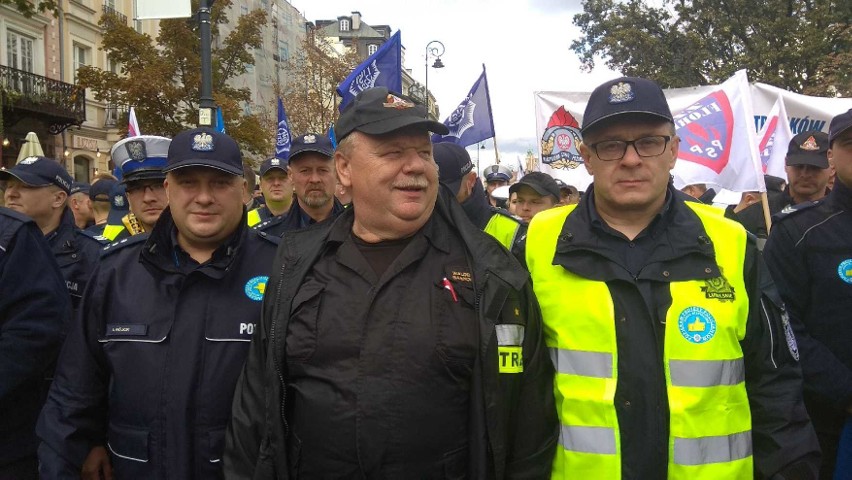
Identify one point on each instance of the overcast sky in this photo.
(524, 44)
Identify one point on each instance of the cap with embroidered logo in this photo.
(142, 157)
(119, 206)
(808, 148)
(453, 164)
(40, 172)
(625, 95)
(839, 124)
(273, 163)
(311, 142)
(377, 111)
(204, 147)
(79, 187)
(542, 183)
(496, 173)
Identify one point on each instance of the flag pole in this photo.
(496, 153)
(764, 199)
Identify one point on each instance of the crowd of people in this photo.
(375, 307)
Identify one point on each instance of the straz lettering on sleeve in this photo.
(126, 329)
(510, 359)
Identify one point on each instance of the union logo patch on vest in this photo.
(844, 270)
(718, 288)
(696, 325)
(255, 288)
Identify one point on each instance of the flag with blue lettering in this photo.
(381, 69)
(282, 137)
(220, 120)
(471, 122)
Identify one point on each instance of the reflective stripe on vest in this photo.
(710, 419)
(503, 229)
(253, 217)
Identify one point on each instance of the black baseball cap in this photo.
(101, 191)
(79, 187)
(453, 164)
(204, 147)
(377, 111)
(808, 148)
(625, 95)
(838, 125)
(542, 183)
(40, 172)
(311, 142)
(272, 164)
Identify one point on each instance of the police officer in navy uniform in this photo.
(80, 205)
(455, 170)
(38, 187)
(495, 176)
(100, 200)
(398, 341)
(143, 386)
(277, 188)
(33, 309)
(809, 253)
(142, 159)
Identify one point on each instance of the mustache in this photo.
(418, 181)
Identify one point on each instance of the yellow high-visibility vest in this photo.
(253, 217)
(710, 418)
(503, 228)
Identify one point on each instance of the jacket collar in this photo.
(684, 251)
(840, 196)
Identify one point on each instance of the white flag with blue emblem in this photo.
(381, 69)
(471, 122)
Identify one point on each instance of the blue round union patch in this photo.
(844, 270)
(255, 288)
(696, 325)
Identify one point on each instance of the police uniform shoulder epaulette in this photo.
(791, 210)
(269, 238)
(505, 213)
(125, 242)
(94, 236)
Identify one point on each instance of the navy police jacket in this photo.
(76, 253)
(149, 367)
(33, 309)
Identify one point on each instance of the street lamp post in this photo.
(207, 104)
(434, 49)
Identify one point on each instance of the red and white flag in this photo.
(718, 142)
(773, 140)
(132, 124)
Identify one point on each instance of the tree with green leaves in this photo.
(803, 46)
(162, 78)
(313, 74)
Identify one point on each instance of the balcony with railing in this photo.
(110, 10)
(24, 94)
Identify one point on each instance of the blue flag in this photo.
(381, 69)
(220, 121)
(471, 122)
(282, 137)
(332, 136)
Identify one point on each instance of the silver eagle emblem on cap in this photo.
(621, 92)
(118, 201)
(202, 142)
(136, 150)
(310, 139)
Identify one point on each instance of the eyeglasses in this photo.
(610, 150)
(141, 188)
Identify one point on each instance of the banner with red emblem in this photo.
(718, 126)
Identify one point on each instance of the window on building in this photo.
(243, 10)
(344, 25)
(81, 169)
(82, 57)
(283, 50)
(19, 54)
(371, 48)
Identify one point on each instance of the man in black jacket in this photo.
(398, 341)
(33, 310)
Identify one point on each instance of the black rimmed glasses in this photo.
(610, 150)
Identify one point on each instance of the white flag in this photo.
(718, 142)
(132, 124)
(773, 140)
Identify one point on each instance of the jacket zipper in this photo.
(275, 353)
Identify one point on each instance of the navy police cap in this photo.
(625, 95)
(204, 147)
(40, 172)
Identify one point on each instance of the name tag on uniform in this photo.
(126, 329)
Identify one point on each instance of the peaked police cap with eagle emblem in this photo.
(141, 157)
(625, 95)
(377, 111)
(205, 147)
